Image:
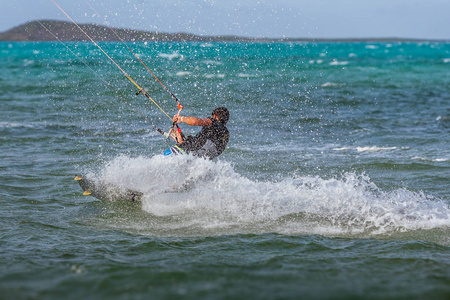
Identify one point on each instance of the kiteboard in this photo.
(107, 191)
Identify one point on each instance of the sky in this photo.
(420, 19)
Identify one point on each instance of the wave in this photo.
(366, 149)
(212, 62)
(442, 159)
(338, 63)
(27, 62)
(374, 149)
(183, 73)
(171, 56)
(184, 195)
(16, 125)
(329, 84)
(209, 76)
(245, 75)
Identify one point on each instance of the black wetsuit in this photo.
(209, 142)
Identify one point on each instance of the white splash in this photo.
(190, 196)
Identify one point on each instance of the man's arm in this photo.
(192, 121)
(176, 135)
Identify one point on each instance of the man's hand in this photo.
(177, 118)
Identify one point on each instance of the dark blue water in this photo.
(335, 182)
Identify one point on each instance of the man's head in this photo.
(222, 114)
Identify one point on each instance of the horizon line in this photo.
(237, 37)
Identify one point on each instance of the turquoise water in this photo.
(335, 182)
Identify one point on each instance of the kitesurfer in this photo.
(210, 142)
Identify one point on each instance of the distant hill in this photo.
(67, 31)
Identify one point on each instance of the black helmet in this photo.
(222, 113)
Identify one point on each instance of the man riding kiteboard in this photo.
(210, 142)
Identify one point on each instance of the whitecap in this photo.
(329, 84)
(342, 149)
(245, 75)
(212, 62)
(214, 75)
(183, 73)
(431, 159)
(338, 63)
(170, 56)
(367, 148)
(27, 62)
(374, 149)
(16, 125)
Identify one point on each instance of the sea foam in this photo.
(196, 196)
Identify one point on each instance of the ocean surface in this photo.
(335, 183)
